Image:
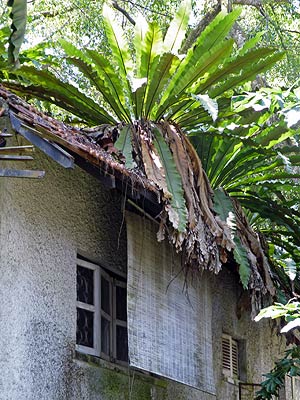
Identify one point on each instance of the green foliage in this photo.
(177, 29)
(290, 311)
(125, 146)
(209, 105)
(153, 82)
(279, 24)
(246, 153)
(240, 256)
(288, 365)
(80, 22)
(240, 143)
(224, 208)
(19, 17)
(208, 53)
(120, 56)
(46, 86)
(146, 79)
(4, 34)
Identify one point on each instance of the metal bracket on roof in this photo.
(14, 153)
(51, 149)
(21, 173)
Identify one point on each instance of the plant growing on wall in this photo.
(290, 363)
(154, 100)
(164, 111)
(253, 155)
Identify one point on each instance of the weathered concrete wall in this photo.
(42, 226)
(259, 344)
(98, 380)
(292, 388)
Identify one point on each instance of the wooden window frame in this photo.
(99, 313)
(116, 321)
(95, 351)
(233, 371)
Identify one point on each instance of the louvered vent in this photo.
(230, 356)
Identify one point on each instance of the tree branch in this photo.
(49, 14)
(291, 31)
(200, 27)
(124, 12)
(148, 9)
(257, 3)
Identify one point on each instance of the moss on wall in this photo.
(112, 384)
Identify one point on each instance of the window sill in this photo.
(94, 361)
(232, 381)
(100, 362)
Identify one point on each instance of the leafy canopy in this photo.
(153, 81)
(290, 363)
(253, 155)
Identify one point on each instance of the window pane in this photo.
(105, 295)
(85, 285)
(121, 303)
(122, 343)
(105, 336)
(85, 328)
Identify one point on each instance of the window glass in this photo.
(122, 343)
(85, 328)
(121, 303)
(85, 285)
(101, 312)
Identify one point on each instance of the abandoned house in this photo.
(93, 307)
